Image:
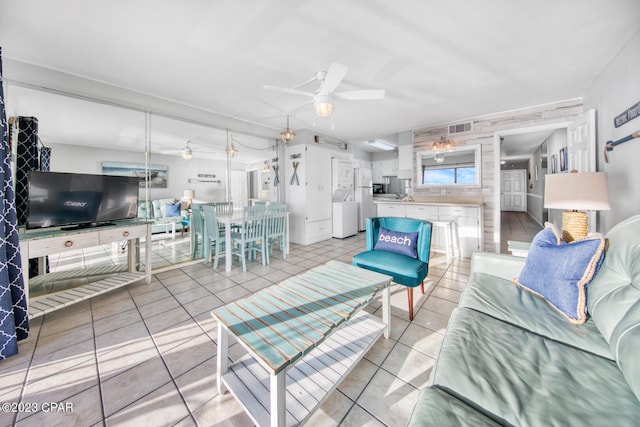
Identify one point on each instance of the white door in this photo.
(581, 143)
(513, 192)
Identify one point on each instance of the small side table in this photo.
(519, 249)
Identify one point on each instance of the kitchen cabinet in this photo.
(382, 168)
(389, 167)
(405, 157)
(467, 222)
(308, 193)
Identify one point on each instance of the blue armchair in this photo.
(404, 269)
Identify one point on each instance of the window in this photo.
(461, 175)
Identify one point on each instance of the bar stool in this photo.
(447, 227)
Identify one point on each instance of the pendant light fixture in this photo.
(231, 150)
(442, 146)
(287, 134)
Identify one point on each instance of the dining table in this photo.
(235, 218)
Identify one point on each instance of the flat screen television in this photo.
(80, 200)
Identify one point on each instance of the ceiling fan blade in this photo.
(334, 76)
(287, 90)
(361, 94)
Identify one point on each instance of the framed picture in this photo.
(157, 175)
(554, 163)
(563, 159)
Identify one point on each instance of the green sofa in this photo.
(155, 212)
(508, 358)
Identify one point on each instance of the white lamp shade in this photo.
(577, 191)
(189, 194)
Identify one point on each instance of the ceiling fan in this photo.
(323, 96)
(187, 151)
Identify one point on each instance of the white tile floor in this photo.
(145, 355)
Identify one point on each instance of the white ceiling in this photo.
(439, 61)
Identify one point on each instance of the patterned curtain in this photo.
(45, 159)
(27, 160)
(14, 322)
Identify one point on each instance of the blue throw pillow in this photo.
(172, 210)
(396, 241)
(560, 272)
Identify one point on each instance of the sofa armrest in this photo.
(498, 265)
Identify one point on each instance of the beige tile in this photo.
(358, 417)
(61, 385)
(431, 320)
(332, 411)
(186, 286)
(167, 319)
(57, 341)
(357, 379)
(82, 409)
(222, 411)
(440, 305)
(124, 348)
(107, 310)
(154, 296)
(198, 385)
(162, 407)
(409, 365)
(380, 350)
(128, 387)
(422, 339)
(389, 399)
(254, 285)
(177, 334)
(117, 321)
(186, 356)
(158, 306)
(447, 294)
(232, 294)
(71, 319)
(44, 365)
(452, 284)
(203, 305)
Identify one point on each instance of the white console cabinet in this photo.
(40, 243)
(466, 220)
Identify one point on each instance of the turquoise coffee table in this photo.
(303, 337)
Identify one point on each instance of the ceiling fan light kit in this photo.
(322, 105)
(187, 153)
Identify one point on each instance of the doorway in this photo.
(521, 166)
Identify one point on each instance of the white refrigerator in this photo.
(363, 190)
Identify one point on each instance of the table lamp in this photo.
(576, 192)
(188, 196)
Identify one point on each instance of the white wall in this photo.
(616, 89)
(72, 158)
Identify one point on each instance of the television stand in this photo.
(40, 243)
(87, 225)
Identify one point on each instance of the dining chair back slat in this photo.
(213, 240)
(251, 235)
(275, 228)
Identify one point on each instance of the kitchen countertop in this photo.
(441, 201)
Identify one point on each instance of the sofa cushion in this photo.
(407, 271)
(435, 407)
(614, 298)
(503, 300)
(172, 209)
(519, 378)
(397, 241)
(159, 205)
(560, 272)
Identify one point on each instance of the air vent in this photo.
(460, 128)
